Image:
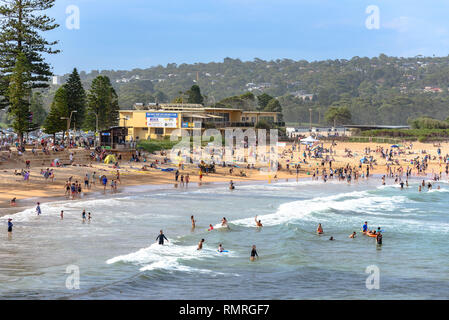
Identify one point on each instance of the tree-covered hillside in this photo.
(381, 90)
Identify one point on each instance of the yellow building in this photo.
(159, 121)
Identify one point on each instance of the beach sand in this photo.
(130, 173)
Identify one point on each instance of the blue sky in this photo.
(127, 34)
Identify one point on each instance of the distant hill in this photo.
(382, 90)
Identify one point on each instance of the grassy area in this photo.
(166, 144)
(156, 145)
(421, 135)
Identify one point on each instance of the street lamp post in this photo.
(310, 121)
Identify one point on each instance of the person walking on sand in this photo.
(161, 238)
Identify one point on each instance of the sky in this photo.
(128, 34)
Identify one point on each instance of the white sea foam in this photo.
(165, 257)
(305, 209)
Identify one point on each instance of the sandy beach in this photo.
(131, 174)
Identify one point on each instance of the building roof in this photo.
(373, 127)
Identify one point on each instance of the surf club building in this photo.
(156, 121)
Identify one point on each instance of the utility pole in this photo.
(310, 114)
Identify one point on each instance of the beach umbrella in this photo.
(395, 146)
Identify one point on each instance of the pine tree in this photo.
(21, 26)
(102, 102)
(19, 92)
(262, 100)
(76, 98)
(59, 108)
(194, 95)
(37, 109)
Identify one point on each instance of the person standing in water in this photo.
(10, 225)
(365, 227)
(89, 217)
(193, 221)
(231, 185)
(253, 254)
(62, 214)
(352, 236)
(379, 238)
(319, 230)
(220, 248)
(84, 215)
(161, 238)
(38, 209)
(200, 244)
(258, 222)
(224, 222)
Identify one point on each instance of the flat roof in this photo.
(374, 126)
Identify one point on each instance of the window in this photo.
(159, 130)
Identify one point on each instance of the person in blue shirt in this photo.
(161, 238)
(10, 225)
(365, 227)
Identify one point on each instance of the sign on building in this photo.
(194, 125)
(162, 120)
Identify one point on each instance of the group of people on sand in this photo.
(372, 233)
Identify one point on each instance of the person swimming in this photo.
(352, 236)
(200, 244)
(253, 254)
(319, 230)
(258, 222)
(331, 239)
(161, 238)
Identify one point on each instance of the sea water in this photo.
(117, 256)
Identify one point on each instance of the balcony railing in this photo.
(227, 124)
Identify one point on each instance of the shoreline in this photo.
(29, 203)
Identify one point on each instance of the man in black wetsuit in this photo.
(161, 238)
(253, 253)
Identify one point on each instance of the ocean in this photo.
(116, 257)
